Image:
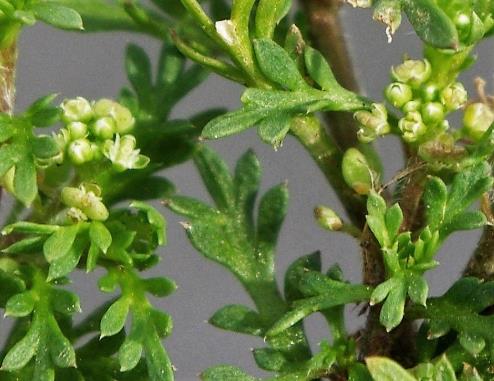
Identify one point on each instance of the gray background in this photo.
(91, 66)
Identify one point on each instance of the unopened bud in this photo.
(477, 119)
(412, 127)
(429, 92)
(104, 107)
(432, 113)
(412, 72)
(327, 218)
(77, 130)
(398, 94)
(412, 106)
(454, 96)
(103, 128)
(123, 119)
(76, 110)
(357, 172)
(79, 151)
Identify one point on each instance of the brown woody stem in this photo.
(8, 59)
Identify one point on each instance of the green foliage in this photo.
(78, 193)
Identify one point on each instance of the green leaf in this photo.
(20, 305)
(232, 123)
(60, 242)
(384, 369)
(246, 184)
(63, 266)
(138, 69)
(216, 177)
(435, 198)
(114, 319)
(30, 228)
(129, 354)
(270, 359)
(25, 245)
(61, 350)
(160, 287)
(25, 185)
(393, 308)
(277, 65)
(155, 219)
(162, 321)
(45, 147)
(295, 272)
(474, 344)
(46, 117)
(225, 373)
(237, 318)
(319, 69)
(418, 289)
(22, 352)
(274, 128)
(431, 23)
(272, 211)
(100, 236)
(58, 15)
(393, 219)
(101, 15)
(189, 207)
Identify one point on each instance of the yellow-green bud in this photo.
(432, 113)
(412, 106)
(357, 172)
(77, 130)
(104, 107)
(87, 199)
(327, 218)
(76, 110)
(373, 123)
(124, 120)
(477, 119)
(79, 151)
(413, 72)
(103, 128)
(123, 155)
(429, 92)
(412, 127)
(454, 96)
(398, 94)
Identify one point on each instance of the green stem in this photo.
(311, 134)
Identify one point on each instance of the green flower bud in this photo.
(124, 120)
(80, 152)
(432, 113)
(76, 110)
(412, 106)
(412, 127)
(97, 153)
(77, 130)
(104, 107)
(357, 172)
(87, 199)
(477, 119)
(103, 128)
(327, 218)
(7, 181)
(373, 123)
(413, 72)
(454, 96)
(398, 94)
(429, 92)
(123, 155)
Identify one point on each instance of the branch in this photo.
(481, 264)
(8, 59)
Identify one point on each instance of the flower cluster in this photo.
(84, 203)
(423, 103)
(93, 131)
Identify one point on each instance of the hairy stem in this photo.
(310, 132)
(8, 59)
